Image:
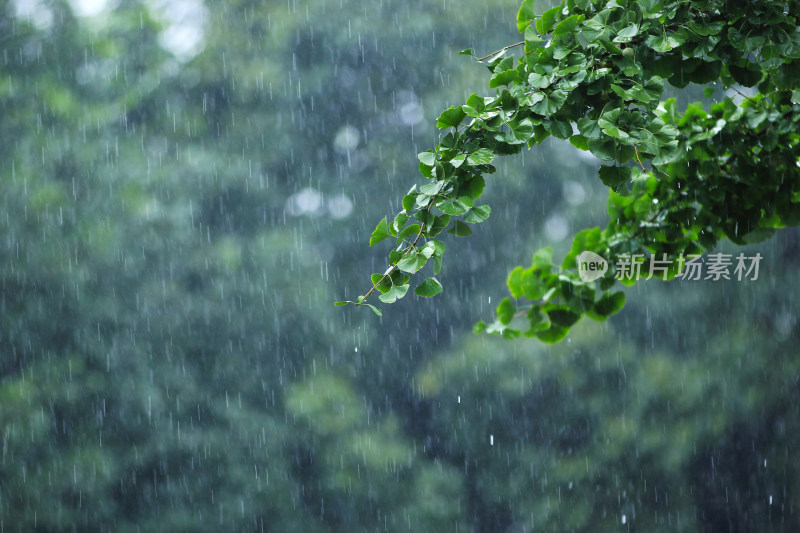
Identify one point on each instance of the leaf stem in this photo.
(376, 285)
(636, 151)
(646, 223)
(502, 50)
(393, 267)
(742, 94)
(522, 312)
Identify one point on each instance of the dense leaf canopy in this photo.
(594, 73)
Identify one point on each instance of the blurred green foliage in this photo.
(174, 229)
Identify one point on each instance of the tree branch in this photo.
(413, 245)
(502, 50)
(742, 94)
(636, 150)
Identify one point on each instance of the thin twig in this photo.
(413, 245)
(376, 285)
(637, 158)
(522, 312)
(743, 95)
(502, 50)
(646, 223)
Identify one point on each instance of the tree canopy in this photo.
(593, 73)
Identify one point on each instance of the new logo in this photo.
(591, 266)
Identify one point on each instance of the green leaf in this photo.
(381, 232)
(562, 317)
(409, 200)
(450, 118)
(477, 214)
(706, 28)
(627, 33)
(507, 77)
(533, 283)
(593, 29)
(590, 239)
(603, 149)
(543, 259)
(662, 43)
(525, 15)
(393, 294)
(473, 188)
(374, 309)
(608, 305)
(340, 304)
(476, 102)
(614, 177)
(608, 123)
(540, 81)
(453, 208)
(411, 230)
(398, 278)
(745, 76)
(613, 131)
(547, 20)
(650, 8)
(427, 158)
(381, 282)
(514, 282)
(458, 160)
(589, 128)
(531, 37)
(412, 262)
(550, 103)
(567, 25)
(398, 222)
(428, 288)
(609, 46)
(460, 229)
(426, 170)
(439, 223)
(423, 200)
(395, 256)
(501, 62)
(505, 311)
(558, 128)
(482, 156)
(432, 188)
(552, 335)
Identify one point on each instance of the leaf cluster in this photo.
(594, 73)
